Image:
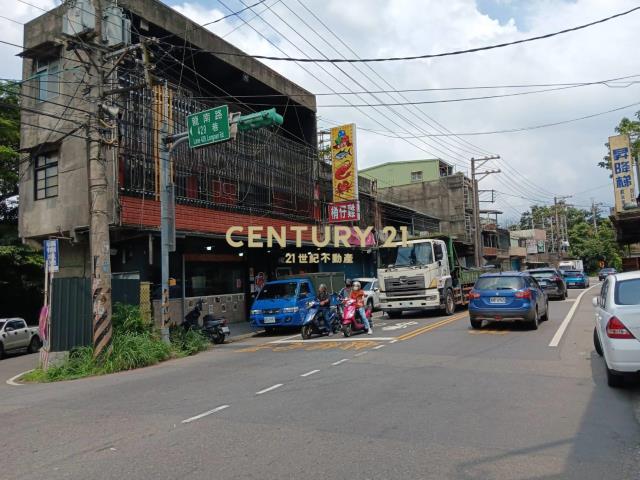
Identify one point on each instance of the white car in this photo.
(371, 291)
(617, 332)
(16, 335)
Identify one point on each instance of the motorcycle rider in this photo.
(357, 294)
(325, 302)
(346, 291)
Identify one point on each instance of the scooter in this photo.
(213, 328)
(314, 324)
(351, 321)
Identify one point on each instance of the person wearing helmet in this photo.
(325, 302)
(346, 291)
(357, 294)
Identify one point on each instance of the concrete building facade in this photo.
(393, 174)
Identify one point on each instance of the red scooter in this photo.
(351, 321)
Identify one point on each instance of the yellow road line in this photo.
(432, 326)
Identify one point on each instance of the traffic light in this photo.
(264, 118)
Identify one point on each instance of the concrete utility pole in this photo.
(595, 210)
(98, 206)
(561, 222)
(477, 163)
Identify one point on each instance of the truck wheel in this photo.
(449, 303)
(269, 330)
(34, 345)
(394, 314)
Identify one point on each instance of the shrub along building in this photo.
(158, 68)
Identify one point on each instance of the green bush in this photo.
(134, 345)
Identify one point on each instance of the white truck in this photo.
(16, 335)
(571, 264)
(423, 275)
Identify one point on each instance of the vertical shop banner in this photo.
(343, 164)
(622, 170)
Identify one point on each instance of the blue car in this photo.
(508, 296)
(575, 278)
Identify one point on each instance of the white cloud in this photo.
(560, 159)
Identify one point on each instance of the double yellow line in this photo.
(432, 326)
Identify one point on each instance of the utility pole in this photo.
(594, 214)
(561, 222)
(475, 164)
(100, 246)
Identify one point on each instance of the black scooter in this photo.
(214, 329)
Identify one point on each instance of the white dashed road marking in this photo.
(309, 373)
(555, 341)
(209, 412)
(340, 361)
(272, 387)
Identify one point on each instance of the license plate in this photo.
(269, 320)
(571, 283)
(497, 300)
(225, 330)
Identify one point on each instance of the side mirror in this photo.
(595, 301)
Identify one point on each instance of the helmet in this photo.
(348, 282)
(356, 285)
(322, 287)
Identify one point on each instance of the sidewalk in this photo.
(240, 330)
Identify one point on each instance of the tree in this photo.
(9, 145)
(628, 127)
(593, 248)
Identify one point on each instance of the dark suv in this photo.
(551, 282)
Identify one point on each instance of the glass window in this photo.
(47, 79)
(416, 176)
(278, 290)
(46, 174)
(367, 285)
(499, 283)
(628, 292)
(304, 289)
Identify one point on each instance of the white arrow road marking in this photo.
(209, 412)
(272, 387)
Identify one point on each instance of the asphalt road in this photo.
(424, 397)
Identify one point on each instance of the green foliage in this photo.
(9, 145)
(593, 248)
(135, 344)
(188, 342)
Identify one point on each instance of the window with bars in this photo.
(416, 176)
(46, 170)
(47, 78)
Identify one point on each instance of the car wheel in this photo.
(370, 305)
(1, 351)
(533, 324)
(394, 314)
(596, 342)
(614, 380)
(34, 345)
(545, 317)
(476, 324)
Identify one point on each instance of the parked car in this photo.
(371, 291)
(605, 272)
(575, 278)
(510, 296)
(616, 336)
(551, 281)
(16, 335)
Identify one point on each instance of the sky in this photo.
(535, 164)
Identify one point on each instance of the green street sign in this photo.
(209, 126)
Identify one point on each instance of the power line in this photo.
(433, 55)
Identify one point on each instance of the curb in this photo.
(12, 380)
(245, 335)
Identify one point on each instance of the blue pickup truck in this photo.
(283, 303)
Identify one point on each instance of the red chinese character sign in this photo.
(344, 212)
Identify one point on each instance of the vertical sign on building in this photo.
(51, 255)
(622, 169)
(344, 178)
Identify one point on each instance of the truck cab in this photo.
(415, 276)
